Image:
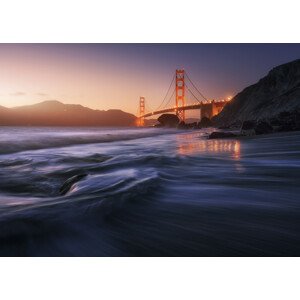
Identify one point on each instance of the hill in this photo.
(276, 93)
(55, 113)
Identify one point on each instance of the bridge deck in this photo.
(186, 107)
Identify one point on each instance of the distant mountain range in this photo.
(277, 92)
(55, 113)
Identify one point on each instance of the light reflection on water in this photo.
(191, 144)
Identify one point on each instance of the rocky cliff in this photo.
(277, 92)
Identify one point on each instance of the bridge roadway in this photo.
(220, 104)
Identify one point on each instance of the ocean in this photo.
(147, 192)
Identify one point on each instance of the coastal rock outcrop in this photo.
(66, 187)
(277, 92)
(248, 128)
(182, 125)
(263, 127)
(168, 120)
(287, 121)
(221, 135)
(205, 122)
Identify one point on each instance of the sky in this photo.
(114, 76)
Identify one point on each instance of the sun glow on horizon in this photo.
(112, 76)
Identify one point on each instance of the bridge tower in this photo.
(180, 94)
(142, 111)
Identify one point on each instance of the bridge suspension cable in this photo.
(195, 87)
(148, 107)
(192, 93)
(172, 95)
(166, 95)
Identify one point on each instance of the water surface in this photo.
(148, 192)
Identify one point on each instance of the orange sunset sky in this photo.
(107, 76)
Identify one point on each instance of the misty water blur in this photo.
(147, 192)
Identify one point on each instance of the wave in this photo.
(28, 139)
(173, 195)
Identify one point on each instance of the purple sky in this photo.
(105, 76)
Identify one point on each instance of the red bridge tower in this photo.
(180, 94)
(142, 112)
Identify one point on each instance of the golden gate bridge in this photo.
(182, 92)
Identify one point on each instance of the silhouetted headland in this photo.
(55, 113)
(274, 99)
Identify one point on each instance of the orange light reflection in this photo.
(189, 144)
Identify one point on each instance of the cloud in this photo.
(42, 94)
(18, 94)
